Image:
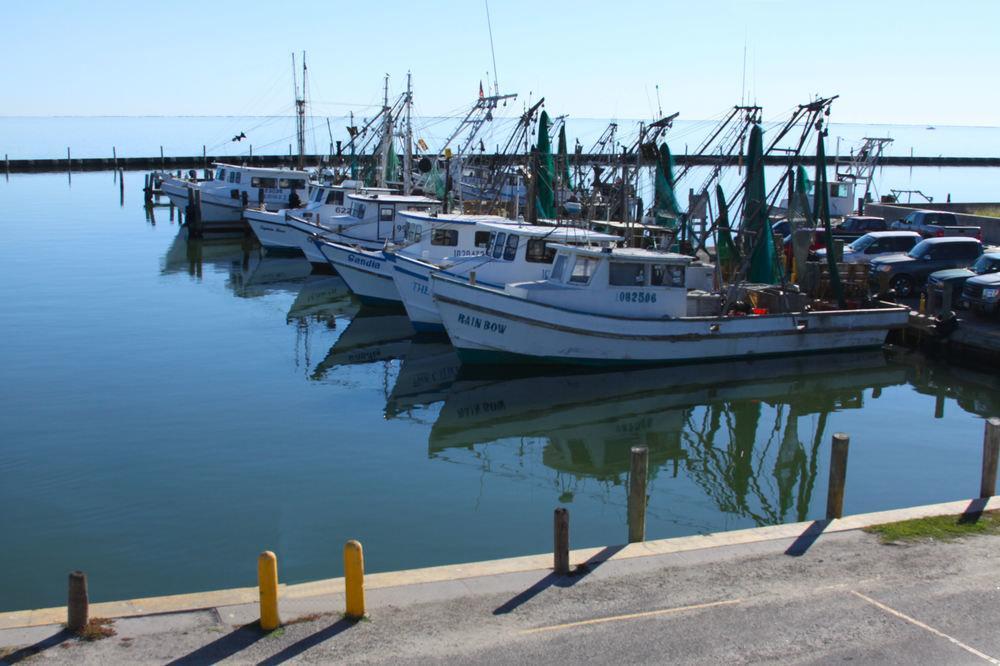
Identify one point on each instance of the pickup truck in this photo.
(934, 224)
(955, 278)
(856, 226)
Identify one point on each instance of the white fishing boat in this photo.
(432, 238)
(631, 306)
(233, 189)
(514, 253)
(290, 229)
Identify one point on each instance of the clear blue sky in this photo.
(891, 61)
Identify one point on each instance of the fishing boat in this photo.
(633, 306)
(514, 253)
(432, 238)
(233, 189)
(327, 211)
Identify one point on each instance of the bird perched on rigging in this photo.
(240, 136)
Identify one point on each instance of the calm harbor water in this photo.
(170, 408)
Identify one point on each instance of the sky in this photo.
(891, 61)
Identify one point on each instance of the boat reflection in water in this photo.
(372, 336)
(190, 255)
(428, 369)
(258, 274)
(732, 428)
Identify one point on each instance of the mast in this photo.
(408, 153)
(300, 108)
(383, 156)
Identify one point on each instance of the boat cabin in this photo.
(378, 215)
(626, 282)
(255, 185)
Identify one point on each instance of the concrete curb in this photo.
(335, 586)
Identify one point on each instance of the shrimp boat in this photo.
(435, 237)
(233, 189)
(327, 211)
(630, 306)
(513, 253)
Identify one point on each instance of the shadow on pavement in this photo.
(224, 647)
(551, 579)
(805, 540)
(42, 645)
(309, 642)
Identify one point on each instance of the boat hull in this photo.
(273, 233)
(413, 284)
(488, 326)
(367, 273)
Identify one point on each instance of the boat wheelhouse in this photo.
(627, 306)
(233, 189)
(514, 253)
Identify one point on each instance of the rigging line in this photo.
(493, 54)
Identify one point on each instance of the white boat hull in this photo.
(367, 273)
(487, 325)
(413, 284)
(272, 232)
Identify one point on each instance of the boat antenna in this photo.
(493, 53)
(300, 108)
(743, 91)
(659, 106)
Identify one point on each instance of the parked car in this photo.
(955, 278)
(856, 226)
(907, 272)
(875, 244)
(982, 293)
(935, 224)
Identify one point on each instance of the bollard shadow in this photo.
(804, 541)
(39, 647)
(974, 511)
(554, 579)
(309, 642)
(223, 648)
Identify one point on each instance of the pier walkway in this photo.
(824, 595)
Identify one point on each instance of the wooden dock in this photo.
(165, 162)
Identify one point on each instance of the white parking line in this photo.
(631, 616)
(918, 623)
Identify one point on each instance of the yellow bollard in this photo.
(923, 304)
(354, 579)
(267, 580)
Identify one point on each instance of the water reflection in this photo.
(427, 371)
(372, 336)
(736, 429)
(258, 274)
(191, 255)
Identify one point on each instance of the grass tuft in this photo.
(938, 528)
(96, 629)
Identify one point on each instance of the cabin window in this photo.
(483, 238)
(385, 213)
(335, 197)
(498, 245)
(447, 237)
(413, 232)
(510, 250)
(358, 211)
(539, 252)
(266, 183)
(286, 183)
(316, 196)
(557, 269)
(666, 275)
(220, 174)
(583, 270)
(627, 275)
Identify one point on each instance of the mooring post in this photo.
(251, 153)
(637, 494)
(6, 163)
(560, 540)
(78, 605)
(354, 580)
(838, 476)
(991, 452)
(121, 184)
(69, 159)
(267, 582)
(114, 155)
(204, 155)
(161, 157)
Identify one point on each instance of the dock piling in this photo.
(637, 494)
(78, 604)
(121, 185)
(161, 157)
(838, 476)
(560, 548)
(991, 453)
(354, 580)
(267, 582)
(114, 156)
